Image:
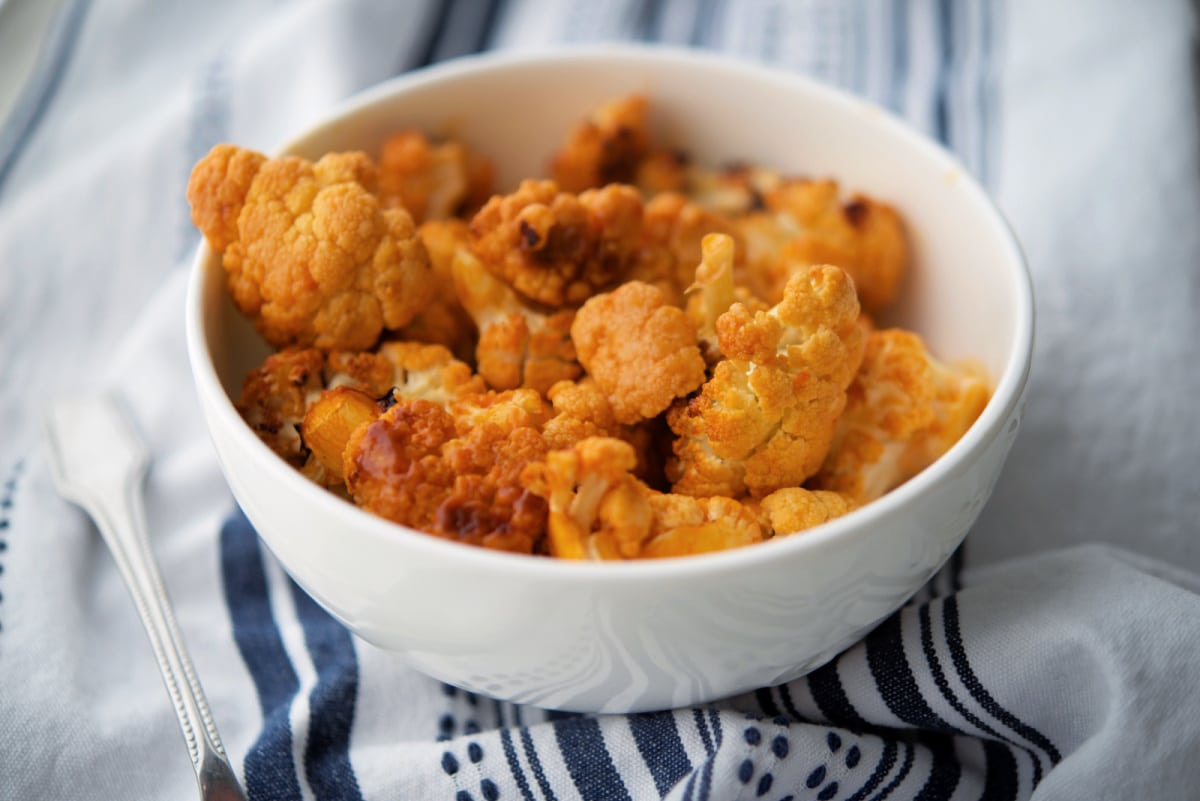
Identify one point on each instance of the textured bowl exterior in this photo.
(652, 635)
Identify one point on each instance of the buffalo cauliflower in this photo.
(904, 410)
(510, 409)
(405, 369)
(713, 292)
(276, 396)
(793, 509)
(313, 257)
(807, 223)
(556, 248)
(517, 346)
(766, 417)
(682, 525)
(605, 148)
(597, 509)
(600, 510)
(432, 182)
(674, 224)
(443, 321)
(413, 466)
(640, 350)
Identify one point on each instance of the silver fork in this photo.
(100, 464)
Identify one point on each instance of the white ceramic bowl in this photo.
(654, 634)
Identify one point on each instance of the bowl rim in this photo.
(1007, 392)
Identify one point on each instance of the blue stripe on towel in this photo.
(941, 107)
(887, 760)
(270, 771)
(514, 765)
(1000, 779)
(331, 703)
(826, 688)
(943, 685)
(895, 680)
(535, 763)
(958, 655)
(658, 740)
(581, 743)
(714, 718)
(944, 772)
(910, 753)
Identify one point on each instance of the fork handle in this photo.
(121, 519)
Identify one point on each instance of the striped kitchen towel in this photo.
(1026, 669)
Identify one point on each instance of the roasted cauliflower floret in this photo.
(793, 509)
(432, 181)
(511, 409)
(557, 248)
(640, 350)
(904, 410)
(443, 321)
(276, 395)
(677, 225)
(605, 148)
(413, 466)
(217, 192)
(315, 260)
(488, 503)
(517, 347)
(581, 410)
(713, 292)
(393, 466)
(598, 510)
(807, 223)
(407, 370)
(765, 419)
(683, 525)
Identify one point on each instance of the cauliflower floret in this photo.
(733, 190)
(276, 395)
(314, 259)
(683, 525)
(598, 510)
(432, 182)
(794, 509)
(677, 225)
(713, 292)
(904, 410)
(305, 404)
(605, 148)
(488, 503)
(640, 350)
(581, 410)
(393, 466)
(557, 248)
(405, 369)
(415, 466)
(765, 419)
(443, 321)
(518, 347)
(662, 171)
(217, 192)
(808, 223)
(511, 409)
